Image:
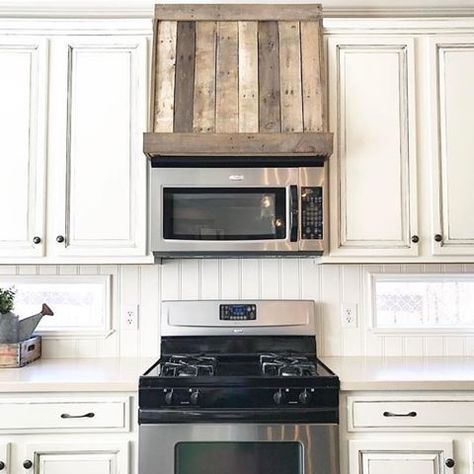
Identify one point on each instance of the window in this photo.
(422, 302)
(81, 303)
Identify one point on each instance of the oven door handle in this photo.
(293, 213)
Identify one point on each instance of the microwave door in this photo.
(222, 214)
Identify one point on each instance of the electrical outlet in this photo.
(349, 315)
(131, 317)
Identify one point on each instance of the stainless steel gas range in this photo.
(238, 389)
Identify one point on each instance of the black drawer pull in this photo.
(410, 414)
(87, 415)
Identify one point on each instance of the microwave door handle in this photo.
(293, 213)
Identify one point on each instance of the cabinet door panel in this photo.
(373, 172)
(102, 177)
(23, 92)
(395, 457)
(452, 76)
(79, 458)
(5, 457)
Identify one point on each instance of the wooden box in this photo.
(20, 353)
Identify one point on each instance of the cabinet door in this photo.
(396, 457)
(373, 169)
(23, 93)
(78, 458)
(452, 76)
(5, 458)
(97, 178)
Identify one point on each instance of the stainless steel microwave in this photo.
(199, 212)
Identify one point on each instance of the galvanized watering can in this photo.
(13, 329)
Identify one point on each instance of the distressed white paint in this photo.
(144, 286)
(23, 93)
(98, 172)
(452, 76)
(372, 113)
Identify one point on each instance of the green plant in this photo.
(7, 298)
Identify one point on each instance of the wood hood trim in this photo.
(232, 144)
(238, 80)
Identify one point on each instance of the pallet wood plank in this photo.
(210, 144)
(184, 82)
(248, 76)
(291, 102)
(323, 76)
(311, 75)
(238, 12)
(205, 77)
(227, 78)
(164, 76)
(268, 76)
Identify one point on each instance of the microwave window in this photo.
(224, 213)
(260, 457)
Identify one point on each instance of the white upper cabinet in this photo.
(98, 170)
(373, 169)
(452, 99)
(23, 95)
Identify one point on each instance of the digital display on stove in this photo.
(238, 312)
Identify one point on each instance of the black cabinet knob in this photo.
(36, 240)
(27, 464)
(2, 465)
(415, 239)
(60, 239)
(438, 237)
(449, 462)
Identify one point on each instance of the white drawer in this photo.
(64, 415)
(366, 414)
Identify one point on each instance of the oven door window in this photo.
(260, 457)
(224, 213)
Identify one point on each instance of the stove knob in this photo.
(279, 397)
(195, 397)
(169, 397)
(304, 397)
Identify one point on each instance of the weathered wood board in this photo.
(238, 69)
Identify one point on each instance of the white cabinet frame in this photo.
(344, 241)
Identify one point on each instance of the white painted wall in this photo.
(328, 285)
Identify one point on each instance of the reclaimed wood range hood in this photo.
(238, 84)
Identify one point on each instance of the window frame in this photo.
(373, 277)
(101, 331)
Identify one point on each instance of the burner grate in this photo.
(276, 365)
(188, 366)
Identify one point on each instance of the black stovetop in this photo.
(246, 378)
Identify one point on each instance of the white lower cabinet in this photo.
(76, 458)
(397, 457)
(70, 433)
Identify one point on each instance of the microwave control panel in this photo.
(238, 312)
(312, 213)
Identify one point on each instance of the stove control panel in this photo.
(238, 312)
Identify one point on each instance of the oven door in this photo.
(238, 449)
(214, 210)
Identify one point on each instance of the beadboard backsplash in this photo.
(144, 286)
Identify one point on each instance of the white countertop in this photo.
(403, 373)
(76, 375)
(355, 373)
